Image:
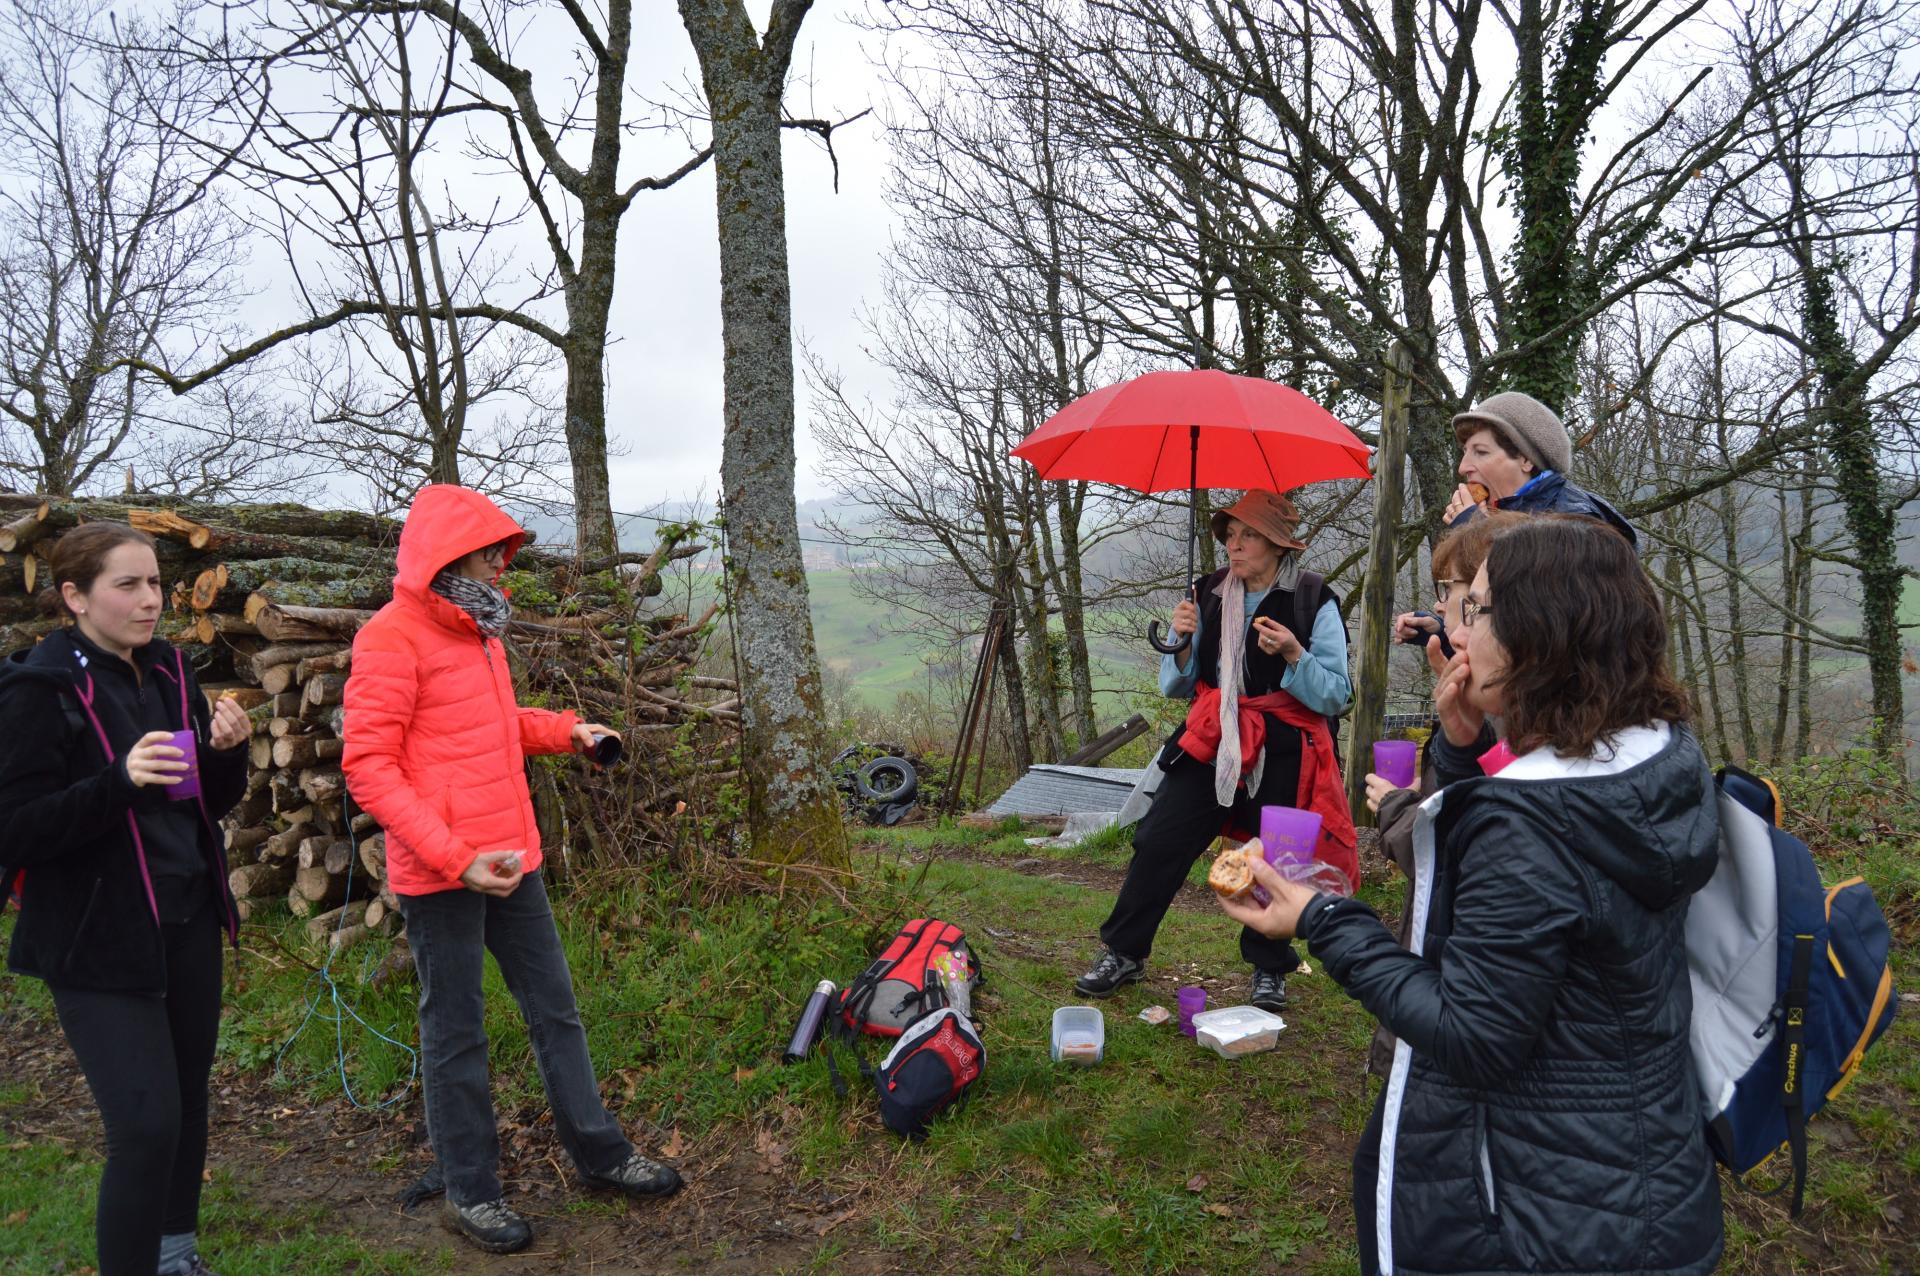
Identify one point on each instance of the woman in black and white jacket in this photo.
(1542, 1112)
(123, 890)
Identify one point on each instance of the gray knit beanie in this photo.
(1524, 422)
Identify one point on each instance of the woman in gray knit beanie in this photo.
(1514, 456)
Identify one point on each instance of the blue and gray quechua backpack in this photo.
(1790, 983)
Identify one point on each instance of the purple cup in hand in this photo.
(189, 786)
(1394, 760)
(1193, 1000)
(1288, 836)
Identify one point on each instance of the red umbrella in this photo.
(1166, 430)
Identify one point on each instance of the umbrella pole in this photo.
(1180, 641)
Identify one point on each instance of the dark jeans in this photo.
(146, 1060)
(450, 931)
(1176, 830)
(1366, 1178)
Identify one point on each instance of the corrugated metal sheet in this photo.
(1063, 790)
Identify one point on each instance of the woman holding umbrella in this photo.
(1265, 667)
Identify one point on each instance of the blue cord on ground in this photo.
(323, 988)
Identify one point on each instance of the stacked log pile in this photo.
(265, 601)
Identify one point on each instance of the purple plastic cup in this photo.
(1192, 1001)
(1288, 836)
(1394, 760)
(189, 786)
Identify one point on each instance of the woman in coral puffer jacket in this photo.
(435, 751)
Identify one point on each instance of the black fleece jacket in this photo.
(92, 892)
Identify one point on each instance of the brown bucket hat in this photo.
(1268, 513)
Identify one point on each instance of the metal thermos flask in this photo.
(807, 1031)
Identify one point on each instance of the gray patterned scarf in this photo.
(488, 606)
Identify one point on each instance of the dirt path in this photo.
(741, 1212)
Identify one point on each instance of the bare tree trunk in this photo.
(1803, 675)
(1736, 635)
(1708, 660)
(1019, 734)
(1792, 556)
(791, 813)
(1073, 617)
(1041, 667)
(589, 300)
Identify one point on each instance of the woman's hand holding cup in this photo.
(155, 760)
(1378, 787)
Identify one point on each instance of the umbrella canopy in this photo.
(1139, 434)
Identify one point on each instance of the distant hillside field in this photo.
(855, 637)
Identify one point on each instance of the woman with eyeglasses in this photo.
(1541, 1113)
(435, 749)
(1463, 735)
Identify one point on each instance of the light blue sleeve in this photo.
(1320, 680)
(1177, 683)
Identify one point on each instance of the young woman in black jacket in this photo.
(123, 887)
(1542, 1112)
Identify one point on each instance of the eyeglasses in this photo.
(495, 551)
(1442, 588)
(1471, 611)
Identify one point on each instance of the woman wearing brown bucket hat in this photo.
(1266, 667)
(1515, 448)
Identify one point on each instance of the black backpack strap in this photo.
(1306, 601)
(1793, 1081)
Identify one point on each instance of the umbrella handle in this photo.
(1180, 641)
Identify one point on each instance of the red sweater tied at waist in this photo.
(1320, 786)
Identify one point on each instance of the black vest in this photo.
(1260, 672)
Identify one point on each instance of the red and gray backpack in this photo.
(903, 985)
(938, 1054)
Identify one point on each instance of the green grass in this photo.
(46, 1201)
(1163, 1158)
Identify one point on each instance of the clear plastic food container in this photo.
(1079, 1035)
(1236, 1030)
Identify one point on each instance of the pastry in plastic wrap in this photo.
(1231, 876)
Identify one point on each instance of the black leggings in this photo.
(146, 1060)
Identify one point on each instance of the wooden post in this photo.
(1376, 596)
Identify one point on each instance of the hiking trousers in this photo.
(451, 932)
(1176, 830)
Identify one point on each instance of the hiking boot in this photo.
(1111, 973)
(1269, 990)
(637, 1176)
(196, 1266)
(490, 1225)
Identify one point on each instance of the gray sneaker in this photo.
(196, 1266)
(1269, 990)
(1111, 973)
(490, 1225)
(637, 1176)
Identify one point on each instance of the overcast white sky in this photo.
(664, 386)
